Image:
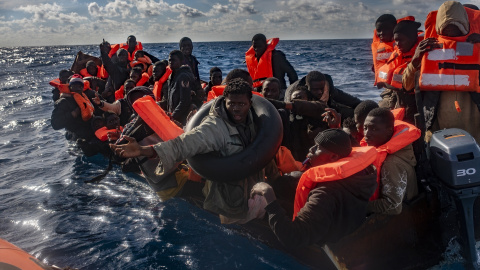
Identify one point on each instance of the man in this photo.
(160, 74)
(361, 112)
(271, 88)
(186, 47)
(118, 71)
(61, 82)
(180, 86)
(263, 61)
(397, 180)
(120, 107)
(228, 129)
(215, 79)
(131, 47)
(451, 21)
(327, 210)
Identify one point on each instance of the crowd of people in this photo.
(341, 158)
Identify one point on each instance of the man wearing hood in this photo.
(438, 106)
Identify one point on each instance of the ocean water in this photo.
(47, 209)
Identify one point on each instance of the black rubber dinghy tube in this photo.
(250, 160)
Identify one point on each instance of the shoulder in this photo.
(277, 54)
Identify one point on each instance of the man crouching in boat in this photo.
(228, 129)
(328, 205)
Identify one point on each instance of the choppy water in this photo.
(46, 209)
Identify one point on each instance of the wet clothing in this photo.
(180, 86)
(398, 182)
(218, 134)
(333, 210)
(280, 67)
(62, 118)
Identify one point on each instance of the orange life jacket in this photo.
(143, 61)
(398, 113)
(285, 161)
(120, 93)
(63, 87)
(455, 66)
(156, 118)
(102, 133)
(157, 88)
(101, 72)
(359, 159)
(392, 71)
(86, 107)
(15, 258)
(261, 70)
(217, 91)
(382, 51)
(403, 135)
(116, 47)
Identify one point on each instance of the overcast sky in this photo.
(41, 22)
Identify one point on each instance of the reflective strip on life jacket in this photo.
(455, 66)
(157, 88)
(156, 118)
(403, 135)
(102, 133)
(359, 159)
(261, 70)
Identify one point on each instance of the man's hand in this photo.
(132, 149)
(265, 190)
(96, 99)
(105, 47)
(278, 104)
(474, 38)
(424, 46)
(332, 117)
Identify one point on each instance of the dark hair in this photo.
(215, 69)
(132, 36)
(160, 63)
(121, 50)
(349, 123)
(314, 76)
(272, 79)
(137, 70)
(362, 109)
(65, 71)
(472, 6)
(178, 54)
(183, 40)
(260, 37)
(89, 62)
(384, 114)
(387, 18)
(129, 81)
(165, 62)
(238, 73)
(238, 86)
(408, 28)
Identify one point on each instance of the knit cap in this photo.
(408, 28)
(335, 141)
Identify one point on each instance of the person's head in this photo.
(239, 73)
(384, 26)
(175, 59)
(405, 35)
(122, 55)
(112, 121)
(186, 46)
(63, 75)
(136, 74)
(216, 76)
(471, 6)
(349, 126)
(452, 20)
(315, 82)
(238, 99)
(76, 84)
(92, 68)
(131, 42)
(378, 126)
(97, 122)
(139, 54)
(361, 112)
(271, 88)
(158, 70)
(300, 93)
(128, 85)
(259, 44)
(330, 146)
(138, 92)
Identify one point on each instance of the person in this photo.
(271, 88)
(325, 211)
(320, 88)
(73, 111)
(397, 181)
(180, 86)
(406, 37)
(120, 107)
(61, 84)
(452, 22)
(383, 43)
(215, 79)
(228, 129)
(186, 47)
(160, 74)
(350, 127)
(138, 76)
(142, 60)
(118, 71)
(264, 61)
(131, 46)
(360, 113)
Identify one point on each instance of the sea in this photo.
(48, 210)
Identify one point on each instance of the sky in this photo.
(81, 22)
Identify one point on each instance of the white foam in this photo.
(441, 54)
(444, 80)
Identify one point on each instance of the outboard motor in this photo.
(455, 159)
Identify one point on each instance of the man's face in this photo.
(216, 78)
(238, 107)
(316, 88)
(376, 132)
(122, 56)
(158, 72)
(92, 69)
(319, 156)
(259, 46)
(112, 121)
(299, 95)
(64, 77)
(132, 43)
(384, 31)
(135, 77)
(403, 42)
(359, 123)
(186, 47)
(76, 87)
(128, 86)
(451, 31)
(271, 90)
(173, 62)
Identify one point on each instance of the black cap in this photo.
(335, 141)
